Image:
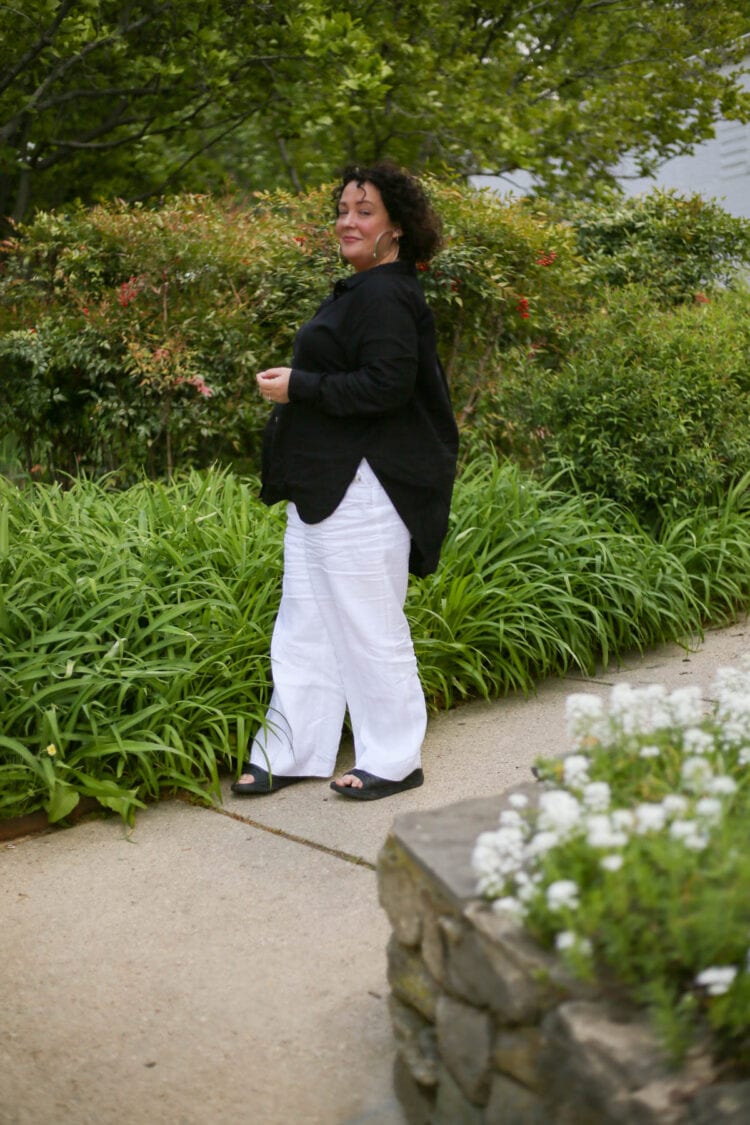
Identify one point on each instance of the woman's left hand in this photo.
(274, 383)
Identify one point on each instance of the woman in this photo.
(362, 443)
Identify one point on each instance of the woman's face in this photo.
(363, 224)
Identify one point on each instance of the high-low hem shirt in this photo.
(366, 382)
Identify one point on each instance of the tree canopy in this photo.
(132, 98)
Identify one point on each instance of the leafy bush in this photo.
(141, 329)
(634, 865)
(129, 336)
(647, 407)
(676, 245)
(534, 581)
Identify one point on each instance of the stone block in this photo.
(452, 1107)
(416, 1042)
(398, 893)
(433, 939)
(516, 1054)
(512, 1104)
(511, 976)
(417, 1102)
(410, 980)
(659, 1103)
(442, 840)
(726, 1103)
(595, 1055)
(465, 1038)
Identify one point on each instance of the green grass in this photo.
(135, 624)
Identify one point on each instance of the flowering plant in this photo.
(634, 863)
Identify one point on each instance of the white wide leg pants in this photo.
(341, 639)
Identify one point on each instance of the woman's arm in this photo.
(385, 341)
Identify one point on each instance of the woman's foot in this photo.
(255, 781)
(348, 780)
(363, 786)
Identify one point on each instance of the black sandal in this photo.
(264, 782)
(373, 788)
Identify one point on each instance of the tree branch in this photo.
(65, 64)
(44, 41)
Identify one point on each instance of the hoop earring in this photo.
(394, 238)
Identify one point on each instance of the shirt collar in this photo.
(345, 283)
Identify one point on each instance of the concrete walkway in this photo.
(224, 967)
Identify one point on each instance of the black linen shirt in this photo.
(366, 382)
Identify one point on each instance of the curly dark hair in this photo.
(405, 201)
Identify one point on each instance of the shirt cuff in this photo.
(304, 386)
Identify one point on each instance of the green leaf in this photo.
(63, 799)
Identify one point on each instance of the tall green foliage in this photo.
(135, 623)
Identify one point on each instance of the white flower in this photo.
(709, 808)
(597, 796)
(697, 741)
(567, 939)
(623, 819)
(585, 719)
(511, 906)
(724, 785)
(576, 770)
(679, 829)
(602, 834)
(518, 800)
(559, 812)
(497, 856)
(649, 817)
(744, 756)
(689, 834)
(649, 751)
(562, 895)
(527, 886)
(510, 817)
(612, 862)
(686, 706)
(640, 710)
(541, 843)
(696, 774)
(674, 804)
(717, 980)
(732, 692)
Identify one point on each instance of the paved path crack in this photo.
(337, 853)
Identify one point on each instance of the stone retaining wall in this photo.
(490, 1029)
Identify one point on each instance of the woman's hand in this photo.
(274, 383)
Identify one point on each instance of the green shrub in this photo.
(534, 582)
(676, 245)
(130, 336)
(648, 406)
(141, 329)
